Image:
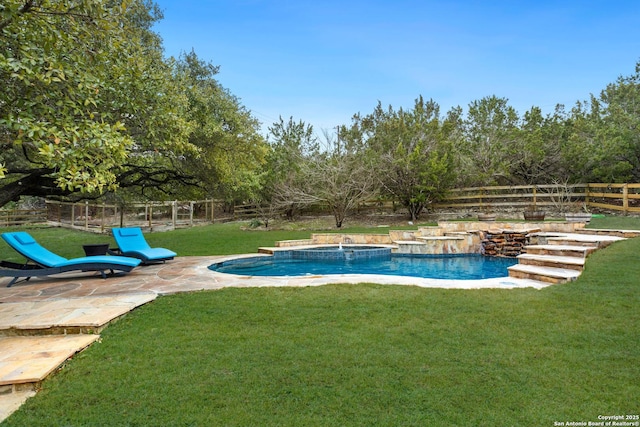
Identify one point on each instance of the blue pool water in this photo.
(466, 267)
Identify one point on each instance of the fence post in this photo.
(625, 198)
(191, 213)
(86, 215)
(535, 196)
(174, 212)
(102, 219)
(149, 209)
(587, 191)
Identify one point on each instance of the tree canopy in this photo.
(231, 148)
(91, 105)
(414, 150)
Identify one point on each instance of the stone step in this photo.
(543, 274)
(565, 242)
(67, 316)
(439, 238)
(583, 240)
(10, 402)
(36, 337)
(566, 262)
(430, 230)
(560, 250)
(606, 232)
(26, 361)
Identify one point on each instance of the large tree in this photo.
(413, 152)
(337, 176)
(490, 129)
(614, 128)
(290, 143)
(535, 154)
(88, 101)
(231, 149)
(306, 172)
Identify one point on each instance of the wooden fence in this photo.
(520, 197)
(617, 197)
(101, 217)
(9, 217)
(624, 198)
(153, 215)
(559, 198)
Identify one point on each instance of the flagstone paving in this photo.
(44, 354)
(69, 315)
(45, 321)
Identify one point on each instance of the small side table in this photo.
(96, 249)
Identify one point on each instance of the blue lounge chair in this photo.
(42, 262)
(132, 243)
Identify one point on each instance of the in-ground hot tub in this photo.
(339, 252)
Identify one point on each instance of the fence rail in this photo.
(556, 197)
(9, 217)
(561, 198)
(98, 217)
(153, 215)
(618, 197)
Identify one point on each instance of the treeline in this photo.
(414, 156)
(91, 108)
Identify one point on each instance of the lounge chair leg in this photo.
(17, 280)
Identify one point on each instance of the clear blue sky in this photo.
(323, 61)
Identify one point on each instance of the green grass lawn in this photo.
(217, 239)
(358, 355)
(220, 239)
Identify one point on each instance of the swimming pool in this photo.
(460, 267)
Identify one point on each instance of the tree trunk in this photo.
(414, 210)
(339, 216)
(34, 184)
